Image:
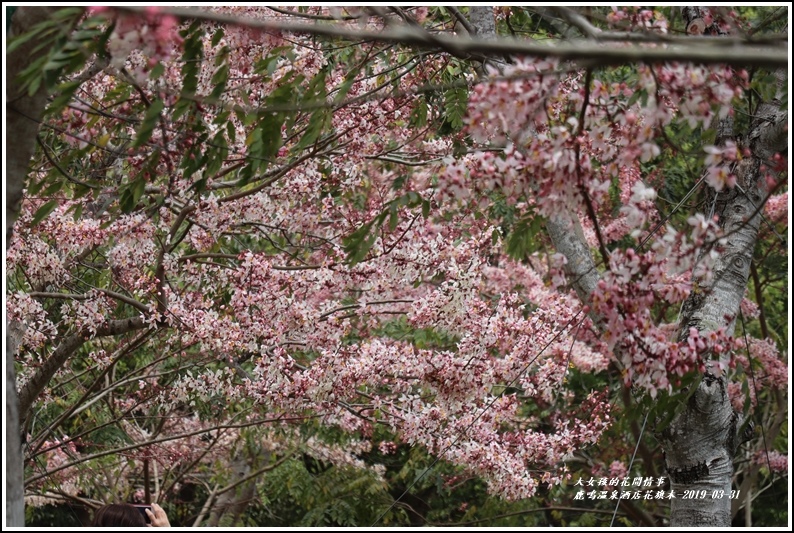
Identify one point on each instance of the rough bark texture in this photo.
(22, 114)
(699, 448)
(700, 443)
(716, 303)
(15, 500)
(481, 17)
(568, 239)
(230, 505)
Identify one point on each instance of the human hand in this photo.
(157, 516)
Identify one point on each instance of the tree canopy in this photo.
(402, 265)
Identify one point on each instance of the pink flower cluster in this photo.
(154, 35)
(506, 110)
(774, 460)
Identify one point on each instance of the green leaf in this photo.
(344, 89)
(231, 132)
(217, 155)
(393, 217)
(636, 96)
(138, 187)
(246, 173)
(35, 83)
(270, 131)
(157, 71)
(246, 119)
(317, 123)
(125, 201)
(66, 91)
(316, 89)
(282, 95)
(130, 195)
(358, 243)
(78, 212)
(67, 13)
(18, 40)
(522, 239)
(455, 104)
(219, 79)
(62, 58)
(217, 36)
(36, 186)
(180, 108)
(148, 123)
(54, 187)
(43, 211)
(192, 56)
(419, 114)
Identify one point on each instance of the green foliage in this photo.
(358, 244)
(455, 104)
(192, 57)
(150, 121)
(298, 493)
(423, 338)
(43, 211)
(65, 51)
(523, 240)
(67, 515)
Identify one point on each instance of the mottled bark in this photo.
(568, 239)
(701, 441)
(15, 501)
(482, 19)
(699, 449)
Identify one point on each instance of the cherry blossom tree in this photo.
(397, 226)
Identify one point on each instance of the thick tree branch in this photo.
(741, 55)
(461, 18)
(67, 296)
(33, 387)
(122, 449)
(568, 239)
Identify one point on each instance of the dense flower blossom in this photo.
(298, 236)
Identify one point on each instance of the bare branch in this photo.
(742, 55)
(455, 12)
(33, 387)
(135, 446)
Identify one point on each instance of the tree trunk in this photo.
(700, 442)
(15, 484)
(230, 505)
(482, 19)
(699, 447)
(22, 115)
